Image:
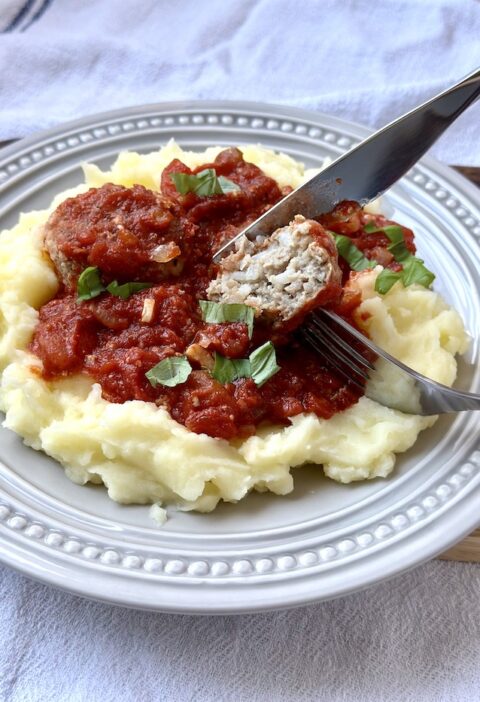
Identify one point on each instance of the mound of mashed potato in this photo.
(136, 449)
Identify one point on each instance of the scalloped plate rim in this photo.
(98, 588)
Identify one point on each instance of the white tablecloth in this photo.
(359, 59)
(414, 638)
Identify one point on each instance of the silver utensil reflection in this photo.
(368, 170)
(376, 372)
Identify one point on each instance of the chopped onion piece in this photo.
(165, 252)
(197, 353)
(148, 310)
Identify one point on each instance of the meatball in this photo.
(283, 276)
(129, 233)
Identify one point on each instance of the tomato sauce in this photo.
(348, 219)
(116, 341)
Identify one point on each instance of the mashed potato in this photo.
(136, 449)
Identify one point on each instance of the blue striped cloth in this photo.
(361, 60)
(19, 15)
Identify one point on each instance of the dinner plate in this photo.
(322, 540)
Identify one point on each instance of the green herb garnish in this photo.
(352, 254)
(126, 289)
(89, 284)
(170, 372)
(398, 247)
(414, 269)
(263, 362)
(260, 366)
(385, 280)
(227, 185)
(226, 370)
(393, 231)
(219, 312)
(203, 183)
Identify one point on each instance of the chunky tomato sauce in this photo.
(167, 239)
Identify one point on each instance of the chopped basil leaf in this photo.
(227, 185)
(399, 251)
(263, 363)
(170, 372)
(203, 183)
(385, 280)
(226, 370)
(219, 312)
(126, 289)
(393, 231)
(89, 284)
(415, 271)
(260, 366)
(398, 248)
(352, 254)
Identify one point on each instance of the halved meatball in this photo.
(283, 276)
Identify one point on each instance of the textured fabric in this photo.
(361, 60)
(413, 639)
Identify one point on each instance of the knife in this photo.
(369, 169)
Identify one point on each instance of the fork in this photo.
(373, 370)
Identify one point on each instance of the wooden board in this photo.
(467, 550)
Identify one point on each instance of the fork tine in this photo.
(331, 334)
(427, 397)
(318, 344)
(334, 353)
(321, 349)
(342, 353)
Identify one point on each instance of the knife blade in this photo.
(368, 170)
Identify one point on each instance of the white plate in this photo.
(324, 539)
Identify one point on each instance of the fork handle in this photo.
(430, 397)
(437, 399)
